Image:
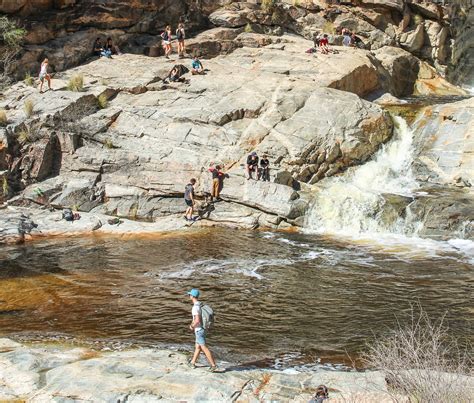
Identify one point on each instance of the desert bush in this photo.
(11, 37)
(29, 80)
(108, 143)
(268, 5)
(76, 83)
(422, 361)
(248, 28)
(329, 28)
(29, 108)
(24, 136)
(418, 19)
(102, 101)
(3, 118)
(5, 187)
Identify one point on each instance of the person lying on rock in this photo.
(109, 46)
(44, 75)
(264, 171)
(252, 166)
(176, 73)
(196, 66)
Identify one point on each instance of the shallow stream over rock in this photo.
(281, 299)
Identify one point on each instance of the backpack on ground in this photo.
(207, 317)
(68, 215)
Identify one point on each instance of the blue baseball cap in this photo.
(194, 293)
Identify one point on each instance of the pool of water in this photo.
(281, 299)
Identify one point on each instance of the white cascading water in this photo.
(352, 204)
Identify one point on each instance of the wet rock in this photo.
(445, 144)
(399, 70)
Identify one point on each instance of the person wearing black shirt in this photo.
(252, 165)
(265, 169)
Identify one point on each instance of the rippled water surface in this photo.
(279, 298)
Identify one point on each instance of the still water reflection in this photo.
(290, 298)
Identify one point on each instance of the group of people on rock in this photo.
(351, 39)
(255, 168)
(106, 49)
(167, 39)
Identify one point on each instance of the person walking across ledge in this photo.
(44, 75)
(202, 319)
(189, 199)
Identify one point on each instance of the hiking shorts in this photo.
(200, 337)
(189, 203)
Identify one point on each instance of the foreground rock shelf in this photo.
(45, 373)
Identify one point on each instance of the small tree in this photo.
(11, 37)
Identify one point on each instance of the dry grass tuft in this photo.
(76, 83)
(108, 143)
(29, 80)
(268, 5)
(29, 108)
(102, 101)
(3, 118)
(5, 187)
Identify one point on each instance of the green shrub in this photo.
(248, 28)
(5, 187)
(3, 118)
(329, 28)
(418, 19)
(29, 80)
(109, 144)
(102, 101)
(268, 5)
(24, 136)
(29, 108)
(76, 83)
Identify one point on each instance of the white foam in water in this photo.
(465, 246)
(352, 204)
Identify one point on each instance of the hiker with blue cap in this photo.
(203, 318)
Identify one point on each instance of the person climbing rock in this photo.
(189, 199)
(198, 325)
(252, 165)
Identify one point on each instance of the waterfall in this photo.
(364, 199)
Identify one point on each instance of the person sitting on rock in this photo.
(44, 75)
(176, 73)
(324, 45)
(264, 171)
(97, 48)
(356, 42)
(346, 40)
(109, 46)
(252, 165)
(196, 66)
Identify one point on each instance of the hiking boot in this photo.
(190, 364)
(213, 369)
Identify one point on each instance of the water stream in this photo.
(281, 299)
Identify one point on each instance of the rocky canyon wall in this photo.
(64, 30)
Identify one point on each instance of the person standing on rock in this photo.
(44, 75)
(189, 199)
(199, 332)
(217, 178)
(180, 34)
(166, 36)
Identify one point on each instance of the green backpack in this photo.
(207, 317)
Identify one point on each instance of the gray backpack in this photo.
(207, 317)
